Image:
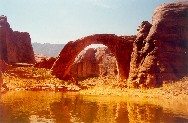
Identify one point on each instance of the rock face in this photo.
(120, 46)
(85, 65)
(107, 63)
(94, 63)
(89, 63)
(15, 46)
(3, 66)
(160, 51)
(45, 63)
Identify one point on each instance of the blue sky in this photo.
(60, 21)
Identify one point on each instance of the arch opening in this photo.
(120, 46)
(94, 46)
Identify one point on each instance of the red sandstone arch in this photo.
(120, 46)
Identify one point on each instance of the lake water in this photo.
(51, 107)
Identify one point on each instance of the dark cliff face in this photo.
(160, 52)
(15, 46)
(3, 46)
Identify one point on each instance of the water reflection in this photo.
(26, 106)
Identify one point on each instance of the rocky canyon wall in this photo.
(160, 51)
(15, 47)
(95, 63)
(120, 46)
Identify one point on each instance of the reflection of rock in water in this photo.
(121, 113)
(105, 113)
(61, 112)
(146, 113)
(141, 113)
(71, 108)
(26, 106)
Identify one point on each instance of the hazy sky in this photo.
(60, 21)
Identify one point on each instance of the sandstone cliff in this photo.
(120, 46)
(15, 46)
(89, 63)
(160, 49)
(95, 63)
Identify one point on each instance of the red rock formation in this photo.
(40, 57)
(15, 46)
(120, 46)
(45, 63)
(94, 63)
(107, 62)
(160, 52)
(85, 65)
(3, 66)
(90, 63)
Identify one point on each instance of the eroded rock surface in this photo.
(45, 62)
(15, 46)
(160, 50)
(120, 46)
(3, 66)
(95, 63)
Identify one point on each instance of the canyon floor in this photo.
(31, 78)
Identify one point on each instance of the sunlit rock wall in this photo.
(95, 63)
(160, 52)
(14, 46)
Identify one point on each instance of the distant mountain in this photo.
(47, 49)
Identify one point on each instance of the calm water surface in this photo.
(51, 107)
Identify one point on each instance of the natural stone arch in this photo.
(120, 46)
